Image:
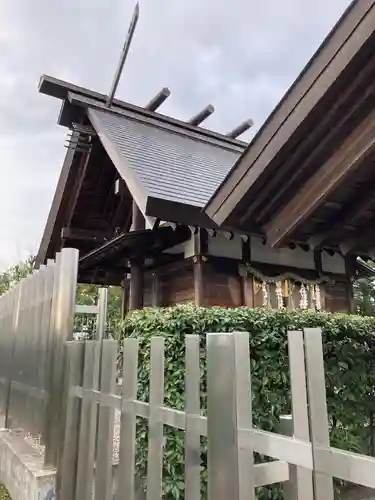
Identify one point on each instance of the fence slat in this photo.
(43, 373)
(192, 409)
(87, 427)
(155, 424)
(63, 331)
(319, 432)
(15, 319)
(67, 472)
(222, 459)
(103, 468)
(300, 484)
(126, 468)
(243, 413)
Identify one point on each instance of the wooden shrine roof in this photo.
(169, 167)
(309, 173)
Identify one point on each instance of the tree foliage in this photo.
(364, 292)
(15, 273)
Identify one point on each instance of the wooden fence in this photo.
(36, 319)
(305, 462)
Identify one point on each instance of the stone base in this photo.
(22, 470)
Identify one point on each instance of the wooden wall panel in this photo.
(176, 284)
(221, 289)
(337, 297)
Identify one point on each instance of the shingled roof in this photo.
(169, 167)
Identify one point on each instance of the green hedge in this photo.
(349, 361)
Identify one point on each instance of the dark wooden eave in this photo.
(310, 167)
(87, 182)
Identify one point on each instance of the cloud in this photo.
(240, 56)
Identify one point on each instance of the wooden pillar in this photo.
(200, 252)
(125, 297)
(247, 281)
(350, 271)
(156, 292)
(136, 265)
(319, 270)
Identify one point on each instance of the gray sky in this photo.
(240, 56)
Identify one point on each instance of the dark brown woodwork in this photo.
(362, 202)
(69, 233)
(156, 292)
(85, 158)
(136, 265)
(307, 152)
(200, 241)
(175, 284)
(362, 240)
(350, 268)
(221, 288)
(318, 262)
(125, 297)
(198, 281)
(337, 297)
(247, 280)
(333, 65)
(343, 162)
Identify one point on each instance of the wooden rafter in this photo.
(362, 240)
(344, 162)
(363, 86)
(345, 217)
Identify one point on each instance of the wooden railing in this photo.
(304, 462)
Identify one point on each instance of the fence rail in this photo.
(304, 462)
(66, 391)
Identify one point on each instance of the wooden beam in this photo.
(334, 56)
(200, 251)
(362, 240)
(69, 233)
(344, 162)
(364, 86)
(77, 188)
(361, 202)
(247, 281)
(350, 270)
(136, 265)
(125, 297)
(156, 289)
(318, 262)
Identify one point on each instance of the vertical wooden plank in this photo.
(300, 483)
(198, 281)
(62, 331)
(222, 458)
(103, 468)
(247, 280)
(200, 244)
(243, 413)
(45, 330)
(155, 424)
(248, 290)
(156, 289)
(87, 428)
(319, 432)
(192, 409)
(66, 481)
(15, 318)
(126, 471)
(37, 404)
